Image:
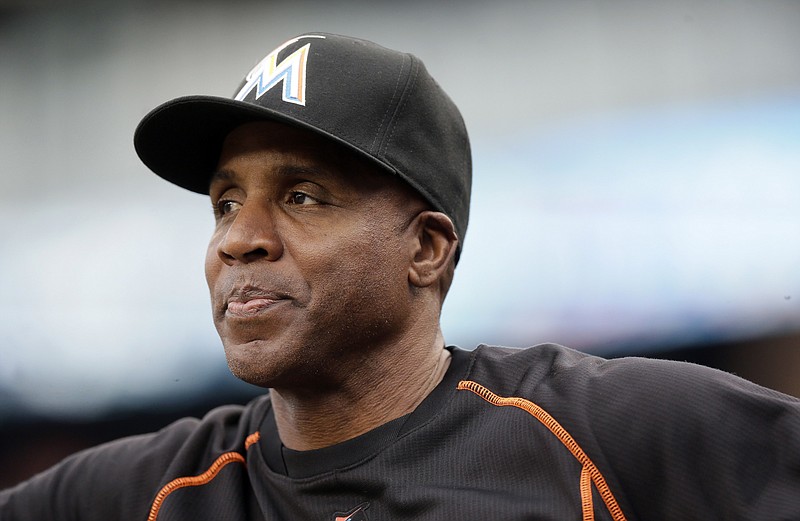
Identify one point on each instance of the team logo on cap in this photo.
(291, 71)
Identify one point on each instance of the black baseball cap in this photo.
(378, 102)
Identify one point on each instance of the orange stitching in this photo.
(560, 432)
(253, 438)
(586, 495)
(202, 479)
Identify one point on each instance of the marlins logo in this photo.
(291, 71)
(357, 514)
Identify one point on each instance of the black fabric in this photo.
(303, 464)
(671, 440)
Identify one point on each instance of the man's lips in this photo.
(249, 308)
(250, 301)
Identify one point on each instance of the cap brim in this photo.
(181, 140)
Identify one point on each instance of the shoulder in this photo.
(671, 437)
(188, 441)
(541, 367)
(643, 408)
(555, 369)
(123, 475)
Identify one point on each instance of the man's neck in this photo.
(375, 396)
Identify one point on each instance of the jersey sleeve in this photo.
(116, 480)
(689, 442)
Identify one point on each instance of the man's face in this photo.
(308, 263)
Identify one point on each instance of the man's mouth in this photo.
(249, 301)
(249, 308)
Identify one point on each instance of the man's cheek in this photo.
(212, 265)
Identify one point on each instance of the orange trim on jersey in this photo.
(253, 438)
(201, 479)
(586, 495)
(589, 472)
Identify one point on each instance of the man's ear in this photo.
(435, 248)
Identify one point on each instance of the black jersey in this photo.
(544, 433)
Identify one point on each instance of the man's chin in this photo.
(249, 362)
(266, 364)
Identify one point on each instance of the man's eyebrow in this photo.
(310, 169)
(287, 171)
(221, 175)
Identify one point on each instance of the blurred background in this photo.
(636, 192)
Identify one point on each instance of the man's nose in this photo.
(251, 236)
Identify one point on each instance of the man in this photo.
(340, 178)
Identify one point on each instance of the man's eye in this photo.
(226, 206)
(301, 199)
